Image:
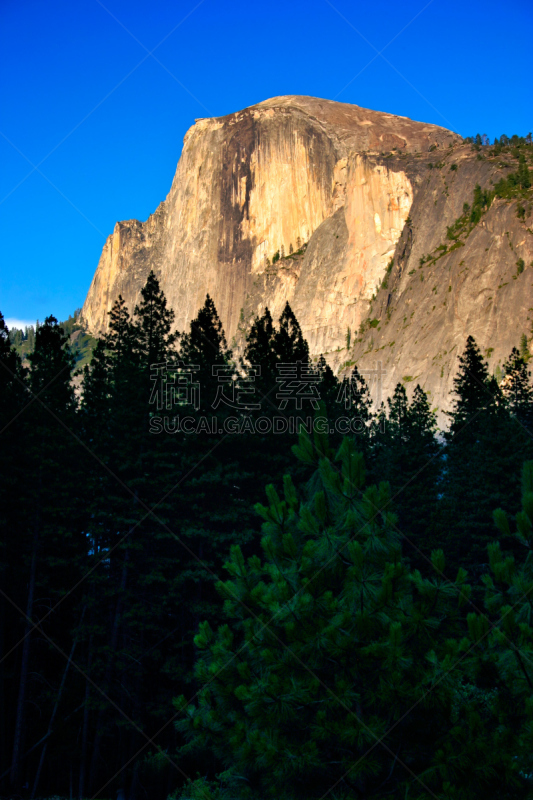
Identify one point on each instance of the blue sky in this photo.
(92, 117)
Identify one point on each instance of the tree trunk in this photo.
(108, 672)
(54, 711)
(21, 702)
(3, 755)
(85, 725)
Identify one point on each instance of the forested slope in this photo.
(120, 507)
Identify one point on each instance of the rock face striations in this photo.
(331, 207)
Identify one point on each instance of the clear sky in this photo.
(95, 98)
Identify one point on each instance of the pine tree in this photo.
(423, 465)
(406, 453)
(524, 176)
(471, 388)
(356, 397)
(290, 344)
(328, 642)
(154, 321)
(263, 456)
(260, 351)
(14, 398)
(518, 389)
(484, 453)
(398, 412)
(354, 401)
(49, 505)
(51, 365)
(95, 406)
(214, 466)
(120, 337)
(135, 471)
(205, 347)
(328, 388)
(12, 388)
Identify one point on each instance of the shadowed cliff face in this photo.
(298, 171)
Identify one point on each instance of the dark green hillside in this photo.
(81, 343)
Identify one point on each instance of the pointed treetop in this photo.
(290, 343)
(517, 388)
(471, 387)
(328, 388)
(51, 366)
(260, 344)
(422, 415)
(206, 342)
(5, 343)
(398, 405)
(355, 395)
(153, 324)
(11, 371)
(119, 338)
(329, 379)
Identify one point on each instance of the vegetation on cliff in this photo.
(514, 185)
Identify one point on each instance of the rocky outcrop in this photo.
(341, 193)
(481, 285)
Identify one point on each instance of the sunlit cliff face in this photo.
(378, 202)
(340, 182)
(255, 183)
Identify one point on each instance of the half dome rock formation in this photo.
(331, 207)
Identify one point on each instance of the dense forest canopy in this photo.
(365, 633)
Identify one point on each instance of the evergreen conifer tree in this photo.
(518, 389)
(260, 351)
(49, 504)
(330, 642)
(290, 344)
(484, 453)
(205, 346)
(524, 347)
(354, 401)
(328, 389)
(406, 453)
(355, 397)
(135, 472)
(95, 405)
(524, 176)
(263, 455)
(51, 364)
(154, 339)
(209, 511)
(14, 539)
(471, 389)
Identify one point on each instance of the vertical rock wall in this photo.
(255, 183)
(353, 186)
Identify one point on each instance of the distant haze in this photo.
(12, 322)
